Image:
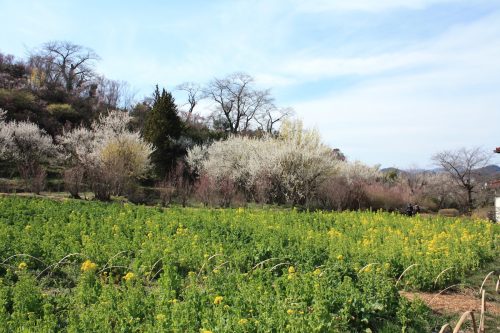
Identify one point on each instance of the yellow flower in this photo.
(218, 300)
(317, 272)
(340, 257)
(290, 311)
(160, 317)
(291, 270)
(206, 331)
(22, 265)
(129, 276)
(88, 266)
(243, 321)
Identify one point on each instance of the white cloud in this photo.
(365, 5)
(443, 96)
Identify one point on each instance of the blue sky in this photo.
(388, 82)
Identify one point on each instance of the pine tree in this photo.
(163, 127)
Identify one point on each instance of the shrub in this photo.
(449, 212)
(111, 156)
(73, 180)
(387, 197)
(293, 165)
(29, 147)
(63, 112)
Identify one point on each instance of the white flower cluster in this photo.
(294, 163)
(357, 171)
(25, 143)
(109, 135)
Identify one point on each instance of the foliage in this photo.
(130, 268)
(293, 164)
(108, 154)
(29, 148)
(63, 112)
(162, 128)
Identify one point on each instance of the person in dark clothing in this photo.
(409, 210)
(416, 209)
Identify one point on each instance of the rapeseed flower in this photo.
(88, 266)
(22, 266)
(129, 276)
(218, 300)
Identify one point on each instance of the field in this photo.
(92, 267)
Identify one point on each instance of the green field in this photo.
(92, 267)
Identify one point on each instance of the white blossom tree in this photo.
(292, 165)
(108, 154)
(29, 147)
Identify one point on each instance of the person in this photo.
(416, 209)
(409, 210)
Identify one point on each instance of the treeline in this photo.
(56, 92)
(64, 122)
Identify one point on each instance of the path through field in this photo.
(454, 303)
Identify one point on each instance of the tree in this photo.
(109, 155)
(112, 94)
(238, 102)
(13, 72)
(29, 147)
(462, 165)
(163, 128)
(194, 95)
(291, 166)
(270, 116)
(64, 63)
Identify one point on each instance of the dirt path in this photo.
(453, 303)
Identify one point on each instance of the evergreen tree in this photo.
(163, 127)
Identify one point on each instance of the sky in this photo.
(389, 82)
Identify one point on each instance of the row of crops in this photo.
(85, 267)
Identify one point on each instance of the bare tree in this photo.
(64, 63)
(415, 179)
(113, 93)
(238, 102)
(194, 95)
(272, 115)
(462, 165)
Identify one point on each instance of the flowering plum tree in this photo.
(108, 155)
(29, 147)
(293, 164)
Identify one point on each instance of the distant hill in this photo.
(388, 170)
(489, 170)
